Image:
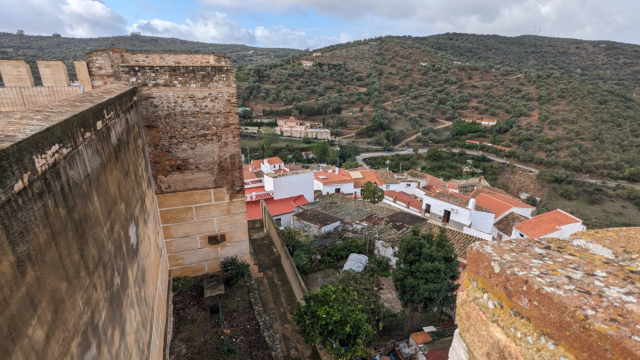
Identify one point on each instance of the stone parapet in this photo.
(553, 299)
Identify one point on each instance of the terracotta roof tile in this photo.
(386, 177)
(403, 198)
(496, 206)
(368, 175)
(331, 178)
(547, 223)
(276, 207)
(274, 160)
(316, 217)
(505, 225)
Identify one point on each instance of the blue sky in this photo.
(316, 23)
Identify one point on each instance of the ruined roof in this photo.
(316, 217)
(293, 167)
(348, 209)
(547, 223)
(581, 293)
(259, 173)
(505, 225)
(460, 240)
(386, 177)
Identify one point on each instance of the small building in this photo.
(503, 228)
(389, 182)
(488, 122)
(316, 54)
(361, 177)
(314, 222)
(334, 181)
(307, 63)
(553, 224)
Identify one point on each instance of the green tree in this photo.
(269, 138)
(434, 154)
(371, 302)
(334, 319)
(426, 271)
(568, 192)
(321, 151)
(633, 174)
(416, 150)
(372, 193)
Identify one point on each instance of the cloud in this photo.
(586, 19)
(213, 27)
(75, 18)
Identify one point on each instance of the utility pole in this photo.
(534, 29)
(539, 30)
(248, 155)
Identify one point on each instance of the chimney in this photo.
(423, 209)
(408, 202)
(337, 170)
(472, 204)
(395, 197)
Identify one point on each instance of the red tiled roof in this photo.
(246, 173)
(404, 198)
(367, 175)
(494, 205)
(547, 223)
(333, 178)
(504, 198)
(472, 142)
(276, 207)
(439, 354)
(274, 160)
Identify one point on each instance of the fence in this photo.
(17, 98)
(299, 288)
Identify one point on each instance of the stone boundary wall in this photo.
(299, 288)
(265, 327)
(84, 268)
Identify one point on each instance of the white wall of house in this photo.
(331, 189)
(291, 185)
(285, 219)
(266, 168)
(481, 221)
(408, 186)
(528, 213)
(477, 233)
(388, 200)
(459, 214)
(394, 187)
(562, 233)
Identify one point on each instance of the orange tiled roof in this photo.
(403, 198)
(332, 178)
(494, 205)
(276, 207)
(502, 197)
(246, 173)
(367, 175)
(547, 223)
(274, 160)
(257, 190)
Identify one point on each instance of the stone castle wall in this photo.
(552, 299)
(189, 113)
(83, 263)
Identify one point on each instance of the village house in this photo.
(460, 212)
(501, 203)
(361, 177)
(316, 54)
(389, 182)
(553, 224)
(333, 181)
(403, 201)
(297, 128)
(307, 63)
(314, 222)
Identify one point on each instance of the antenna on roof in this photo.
(534, 29)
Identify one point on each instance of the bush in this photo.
(557, 176)
(337, 252)
(182, 283)
(235, 270)
(568, 192)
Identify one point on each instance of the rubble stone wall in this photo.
(553, 299)
(83, 266)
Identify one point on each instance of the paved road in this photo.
(361, 158)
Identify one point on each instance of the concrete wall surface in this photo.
(82, 262)
(53, 73)
(16, 73)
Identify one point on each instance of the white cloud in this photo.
(219, 28)
(75, 18)
(210, 27)
(586, 19)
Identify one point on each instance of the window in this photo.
(337, 190)
(278, 222)
(387, 187)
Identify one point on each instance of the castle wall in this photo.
(188, 108)
(16, 73)
(53, 73)
(83, 268)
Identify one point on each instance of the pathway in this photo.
(446, 123)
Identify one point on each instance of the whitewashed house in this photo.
(553, 224)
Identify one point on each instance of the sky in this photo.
(317, 23)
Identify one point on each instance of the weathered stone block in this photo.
(183, 244)
(189, 229)
(231, 222)
(184, 198)
(177, 215)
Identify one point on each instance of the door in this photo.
(446, 217)
(427, 210)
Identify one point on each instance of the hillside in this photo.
(32, 48)
(547, 113)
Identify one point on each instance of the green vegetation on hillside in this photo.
(32, 48)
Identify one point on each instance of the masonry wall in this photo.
(83, 269)
(189, 113)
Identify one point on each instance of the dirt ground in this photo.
(516, 180)
(315, 280)
(198, 327)
(389, 295)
